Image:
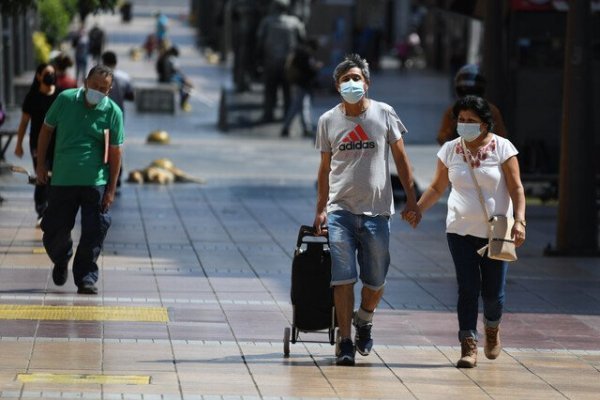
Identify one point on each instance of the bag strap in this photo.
(482, 250)
(479, 193)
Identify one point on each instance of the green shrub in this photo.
(71, 7)
(54, 20)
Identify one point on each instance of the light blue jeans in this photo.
(364, 237)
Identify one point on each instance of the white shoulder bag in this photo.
(500, 245)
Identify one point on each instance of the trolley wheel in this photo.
(332, 336)
(286, 341)
(337, 342)
(294, 334)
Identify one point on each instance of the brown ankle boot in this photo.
(492, 346)
(468, 353)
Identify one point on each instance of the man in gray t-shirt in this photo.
(355, 199)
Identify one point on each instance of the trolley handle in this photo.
(307, 231)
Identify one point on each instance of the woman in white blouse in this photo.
(494, 162)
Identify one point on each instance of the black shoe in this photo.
(60, 273)
(285, 133)
(346, 354)
(87, 288)
(363, 339)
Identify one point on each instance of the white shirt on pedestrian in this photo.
(465, 214)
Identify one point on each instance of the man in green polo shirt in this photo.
(87, 158)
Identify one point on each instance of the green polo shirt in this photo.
(80, 138)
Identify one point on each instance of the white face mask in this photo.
(352, 91)
(468, 131)
(93, 97)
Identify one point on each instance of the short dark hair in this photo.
(351, 61)
(101, 69)
(478, 105)
(109, 58)
(63, 61)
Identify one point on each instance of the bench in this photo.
(238, 109)
(156, 97)
(5, 135)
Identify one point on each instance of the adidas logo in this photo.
(357, 139)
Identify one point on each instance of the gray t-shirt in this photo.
(359, 180)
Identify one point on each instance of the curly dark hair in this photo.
(478, 105)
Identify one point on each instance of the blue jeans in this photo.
(475, 275)
(368, 238)
(59, 220)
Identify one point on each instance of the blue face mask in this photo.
(468, 131)
(352, 91)
(93, 97)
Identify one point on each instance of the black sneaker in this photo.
(87, 288)
(346, 354)
(363, 340)
(60, 273)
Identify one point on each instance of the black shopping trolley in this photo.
(311, 293)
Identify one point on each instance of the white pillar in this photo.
(474, 55)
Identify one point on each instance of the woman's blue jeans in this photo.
(476, 275)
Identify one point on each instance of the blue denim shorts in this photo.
(363, 238)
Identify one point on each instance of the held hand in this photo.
(41, 174)
(411, 218)
(412, 215)
(518, 234)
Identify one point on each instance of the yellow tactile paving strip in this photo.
(83, 313)
(74, 379)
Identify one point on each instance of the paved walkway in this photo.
(195, 279)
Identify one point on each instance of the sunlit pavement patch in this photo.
(83, 313)
(73, 379)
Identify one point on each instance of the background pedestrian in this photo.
(278, 35)
(84, 175)
(39, 98)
